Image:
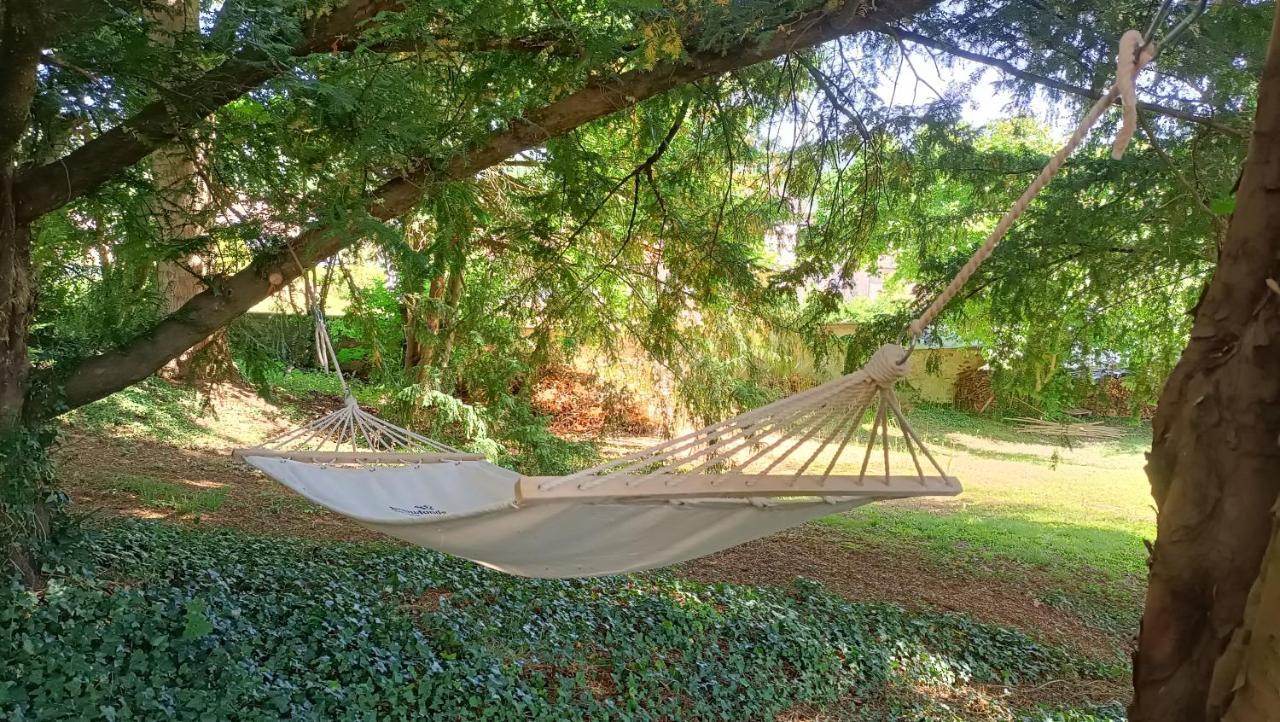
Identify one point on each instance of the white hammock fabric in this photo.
(762, 471)
(469, 509)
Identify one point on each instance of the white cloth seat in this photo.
(469, 509)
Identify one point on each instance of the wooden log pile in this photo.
(1087, 430)
(973, 390)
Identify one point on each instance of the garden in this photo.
(639, 360)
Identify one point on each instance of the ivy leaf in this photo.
(1223, 205)
(198, 625)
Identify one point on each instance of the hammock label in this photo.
(419, 510)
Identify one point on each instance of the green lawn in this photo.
(1077, 514)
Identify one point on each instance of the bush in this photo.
(182, 624)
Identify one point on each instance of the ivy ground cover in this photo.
(152, 621)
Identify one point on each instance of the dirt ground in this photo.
(894, 574)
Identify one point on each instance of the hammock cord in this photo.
(323, 340)
(1136, 51)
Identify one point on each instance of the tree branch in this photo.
(834, 96)
(1010, 69)
(109, 372)
(50, 186)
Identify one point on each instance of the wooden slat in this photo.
(702, 486)
(356, 457)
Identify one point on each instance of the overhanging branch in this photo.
(1043, 80)
(51, 186)
(212, 309)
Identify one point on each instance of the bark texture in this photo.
(1215, 460)
(19, 56)
(182, 198)
(101, 375)
(1247, 677)
(24, 517)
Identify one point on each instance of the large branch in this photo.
(1043, 80)
(107, 373)
(48, 187)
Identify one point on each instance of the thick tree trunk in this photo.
(23, 515)
(182, 199)
(1247, 677)
(1215, 459)
(19, 55)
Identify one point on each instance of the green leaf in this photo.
(198, 625)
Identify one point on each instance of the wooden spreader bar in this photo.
(530, 489)
(356, 457)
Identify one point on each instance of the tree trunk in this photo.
(1247, 677)
(428, 326)
(1215, 460)
(19, 55)
(23, 515)
(182, 198)
(449, 329)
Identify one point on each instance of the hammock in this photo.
(794, 460)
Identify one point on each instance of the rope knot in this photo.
(888, 364)
(1129, 61)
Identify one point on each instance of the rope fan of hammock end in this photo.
(811, 444)
(352, 435)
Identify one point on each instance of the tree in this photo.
(378, 183)
(1206, 650)
(291, 84)
(182, 194)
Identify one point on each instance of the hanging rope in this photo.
(1135, 52)
(349, 426)
(323, 340)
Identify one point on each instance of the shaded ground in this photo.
(892, 573)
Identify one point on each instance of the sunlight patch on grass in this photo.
(179, 498)
(1078, 515)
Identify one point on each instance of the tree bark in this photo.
(1247, 676)
(23, 513)
(19, 58)
(1215, 460)
(449, 323)
(107, 373)
(181, 198)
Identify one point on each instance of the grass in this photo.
(181, 499)
(308, 383)
(1077, 515)
(152, 408)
